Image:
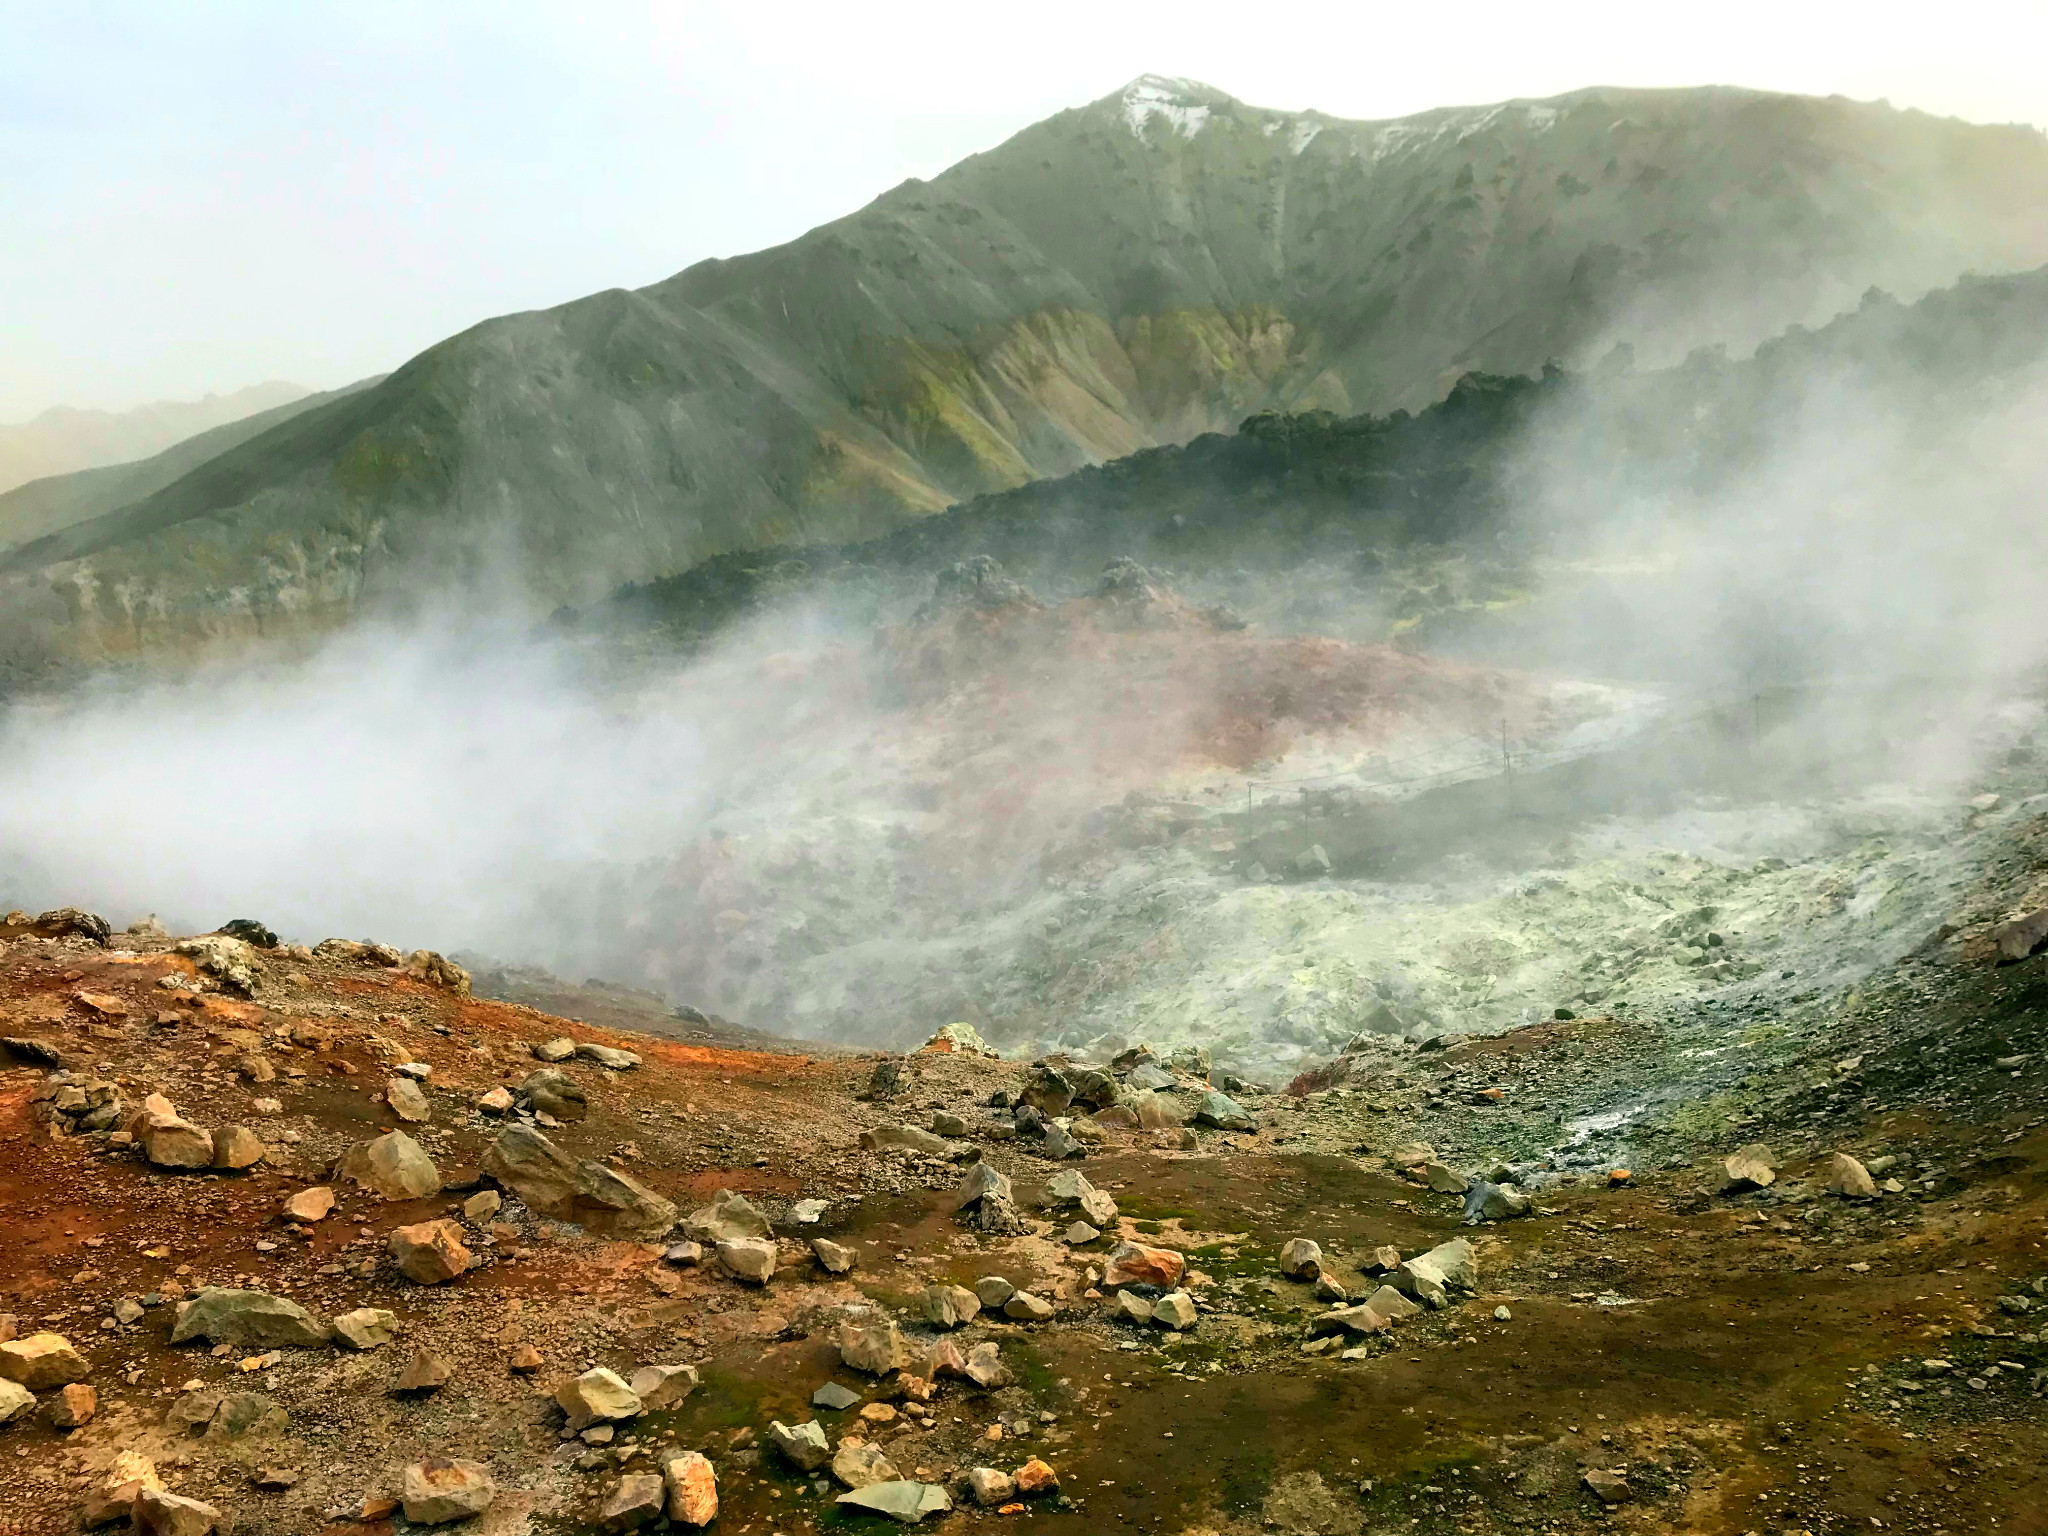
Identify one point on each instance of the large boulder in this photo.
(1047, 1090)
(430, 1252)
(441, 1489)
(42, 1361)
(729, 1217)
(549, 1182)
(247, 1317)
(113, 1498)
(392, 1165)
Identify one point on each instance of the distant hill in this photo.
(1159, 264)
(57, 501)
(63, 440)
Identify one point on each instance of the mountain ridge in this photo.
(1124, 274)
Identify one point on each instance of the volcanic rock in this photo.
(984, 1367)
(549, 1092)
(861, 1464)
(729, 1216)
(876, 1347)
(950, 1306)
(993, 1290)
(1430, 1276)
(903, 1501)
(836, 1257)
(424, 1372)
(73, 1406)
(236, 1146)
(158, 1513)
(901, 1138)
(692, 1489)
(804, 1445)
(16, 1401)
(1223, 1112)
(636, 1501)
(114, 1498)
(663, 1386)
(1072, 1188)
(611, 1058)
(430, 1252)
(751, 1259)
(393, 1165)
(247, 1317)
(561, 1048)
(1301, 1259)
(597, 1396)
(1750, 1167)
(1850, 1179)
(42, 1361)
(981, 1183)
(167, 1138)
(439, 1489)
(407, 1101)
(549, 1182)
(365, 1328)
(1174, 1310)
(1027, 1308)
(482, 1206)
(989, 1487)
(1136, 1264)
(310, 1204)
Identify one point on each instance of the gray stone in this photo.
(16, 1401)
(903, 1501)
(247, 1317)
(1047, 1090)
(365, 1328)
(393, 1166)
(687, 1254)
(1027, 1308)
(1071, 1188)
(636, 1501)
(950, 1306)
(861, 1464)
(159, 1513)
(1301, 1258)
(1174, 1310)
(609, 1057)
(1147, 1078)
(1429, 1277)
(804, 1445)
(1131, 1308)
(439, 1490)
(751, 1259)
(1058, 1145)
(1750, 1167)
(663, 1386)
(730, 1215)
(550, 1092)
(1391, 1304)
(984, 1367)
(835, 1397)
(1223, 1112)
(993, 1290)
(561, 1048)
(875, 1346)
(549, 1182)
(407, 1101)
(1079, 1232)
(837, 1258)
(424, 1372)
(901, 1138)
(989, 1487)
(1850, 1179)
(981, 1182)
(1445, 1181)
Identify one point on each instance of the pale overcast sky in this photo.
(196, 197)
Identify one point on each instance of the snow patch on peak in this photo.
(1180, 102)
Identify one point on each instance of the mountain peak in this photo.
(1185, 104)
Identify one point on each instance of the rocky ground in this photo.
(320, 1240)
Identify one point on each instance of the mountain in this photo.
(57, 501)
(1158, 264)
(63, 440)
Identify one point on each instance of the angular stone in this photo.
(247, 1317)
(993, 1290)
(861, 1464)
(1750, 1167)
(1071, 1188)
(1131, 1308)
(663, 1386)
(981, 1182)
(16, 1401)
(945, 1123)
(876, 1347)
(496, 1102)
(610, 1057)
(1118, 1117)
(1328, 1288)
(636, 1501)
(1027, 1308)
(1610, 1488)
(597, 1396)
(114, 1498)
(243, 1414)
(950, 1306)
(1430, 1276)
(236, 1146)
(310, 1204)
(430, 1252)
(1411, 1156)
(424, 1372)
(1136, 1264)
(166, 1138)
(42, 1361)
(73, 1406)
(728, 1217)
(393, 1166)
(836, 1257)
(158, 1513)
(548, 1092)
(561, 1048)
(1174, 1310)
(835, 1397)
(803, 1445)
(1383, 1260)
(1058, 1144)
(989, 1487)
(551, 1183)
(1391, 1304)
(1047, 1090)
(984, 1367)
(1035, 1479)
(406, 1100)
(1223, 1112)
(1360, 1319)
(751, 1259)
(482, 1206)
(440, 1489)
(1850, 1179)
(1301, 1259)
(901, 1138)
(524, 1360)
(687, 1254)
(692, 1486)
(902, 1501)
(1495, 1202)
(365, 1328)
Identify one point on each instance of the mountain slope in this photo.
(1130, 273)
(63, 440)
(57, 501)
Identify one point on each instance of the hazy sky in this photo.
(199, 196)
